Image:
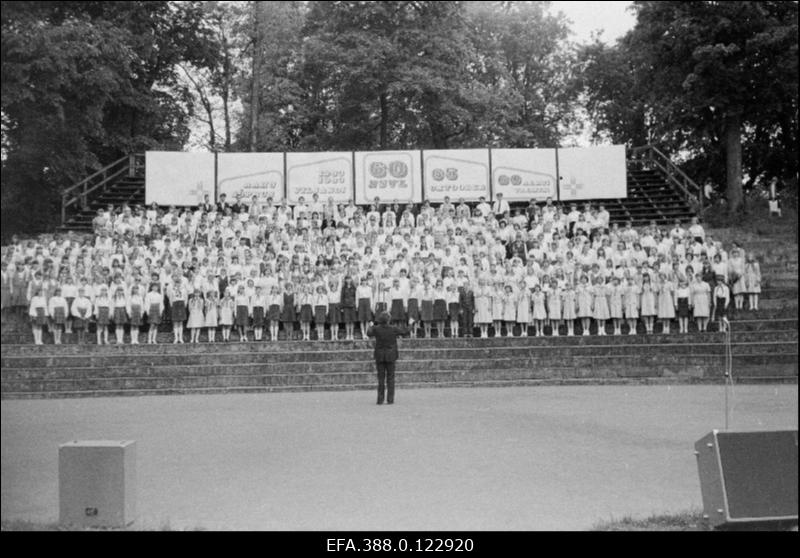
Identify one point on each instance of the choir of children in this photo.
(302, 272)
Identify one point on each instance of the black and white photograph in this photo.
(401, 276)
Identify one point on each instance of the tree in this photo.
(524, 54)
(272, 110)
(713, 81)
(214, 79)
(84, 83)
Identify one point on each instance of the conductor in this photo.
(386, 354)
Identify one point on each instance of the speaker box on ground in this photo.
(97, 483)
(748, 477)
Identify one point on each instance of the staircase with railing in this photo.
(121, 182)
(649, 157)
(658, 190)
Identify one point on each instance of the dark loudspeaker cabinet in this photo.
(748, 477)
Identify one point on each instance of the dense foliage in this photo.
(712, 83)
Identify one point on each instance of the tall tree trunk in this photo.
(226, 91)
(733, 159)
(254, 85)
(384, 120)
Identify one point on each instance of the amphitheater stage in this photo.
(517, 458)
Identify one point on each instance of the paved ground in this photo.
(524, 458)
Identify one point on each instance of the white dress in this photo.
(524, 307)
(568, 299)
(196, 317)
(211, 314)
(539, 308)
(554, 304)
(701, 299)
(483, 306)
(666, 301)
(600, 309)
(648, 301)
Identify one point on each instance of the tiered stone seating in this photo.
(763, 344)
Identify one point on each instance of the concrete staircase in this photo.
(129, 190)
(763, 348)
(651, 196)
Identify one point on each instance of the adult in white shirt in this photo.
(696, 230)
(500, 207)
(483, 206)
(300, 208)
(603, 218)
(350, 209)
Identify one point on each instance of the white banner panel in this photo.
(458, 173)
(524, 174)
(328, 174)
(178, 178)
(389, 175)
(592, 172)
(250, 174)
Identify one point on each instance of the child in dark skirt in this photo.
(453, 309)
(426, 307)
(439, 307)
(135, 313)
(259, 313)
(382, 299)
(288, 311)
(81, 312)
(120, 314)
(154, 303)
(177, 302)
(102, 315)
(412, 307)
(397, 310)
(243, 312)
(722, 298)
(58, 310)
(306, 311)
(274, 311)
(683, 299)
(321, 311)
(38, 314)
(364, 310)
(348, 306)
(334, 308)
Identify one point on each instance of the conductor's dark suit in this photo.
(385, 356)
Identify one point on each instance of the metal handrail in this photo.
(78, 193)
(651, 154)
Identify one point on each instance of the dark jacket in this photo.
(466, 299)
(386, 341)
(348, 298)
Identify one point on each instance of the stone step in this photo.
(220, 364)
(41, 379)
(289, 362)
(751, 367)
(772, 283)
(746, 330)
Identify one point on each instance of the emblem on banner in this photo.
(377, 169)
(398, 169)
(573, 186)
(440, 174)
